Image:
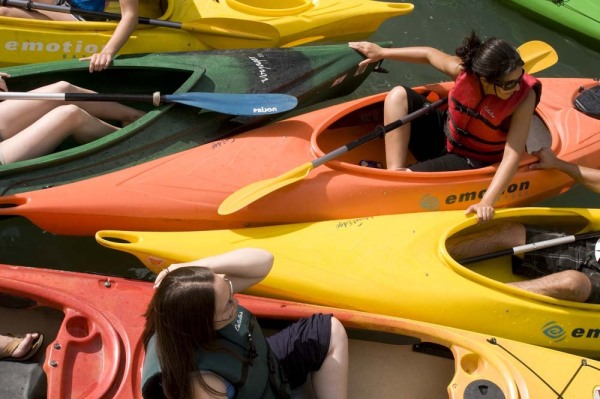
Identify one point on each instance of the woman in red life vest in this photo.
(487, 120)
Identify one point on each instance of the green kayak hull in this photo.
(310, 73)
(579, 18)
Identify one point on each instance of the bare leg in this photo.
(396, 141)
(50, 130)
(331, 380)
(570, 285)
(16, 115)
(501, 236)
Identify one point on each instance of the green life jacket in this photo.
(245, 361)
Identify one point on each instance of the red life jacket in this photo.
(478, 124)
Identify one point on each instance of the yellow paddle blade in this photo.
(252, 192)
(537, 56)
(230, 33)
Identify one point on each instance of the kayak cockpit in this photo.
(271, 8)
(127, 76)
(82, 353)
(498, 270)
(20, 315)
(369, 158)
(385, 363)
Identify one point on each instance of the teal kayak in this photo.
(580, 18)
(310, 73)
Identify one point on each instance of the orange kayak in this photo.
(183, 191)
(92, 348)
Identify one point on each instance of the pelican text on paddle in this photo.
(67, 47)
(264, 110)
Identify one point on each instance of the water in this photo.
(437, 23)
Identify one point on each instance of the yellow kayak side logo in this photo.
(67, 47)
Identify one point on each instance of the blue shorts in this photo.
(302, 347)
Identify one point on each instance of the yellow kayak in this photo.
(396, 265)
(192, 25)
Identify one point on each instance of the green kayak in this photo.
(310, 73)
(580, 18)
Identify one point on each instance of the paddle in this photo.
(537, 56)
(531, 247)
(215, 32)
(227, 103)
(257, 190)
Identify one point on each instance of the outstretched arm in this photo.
(245, 266)
(587, 177)
(445, 63)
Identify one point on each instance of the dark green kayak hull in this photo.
(311, 73)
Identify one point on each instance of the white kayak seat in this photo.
(539, 136)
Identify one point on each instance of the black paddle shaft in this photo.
(377, 133)
(382, 130)
(156, 98)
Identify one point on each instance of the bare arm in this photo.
(212, 380)
(587, 177)
(514, 148)
(445, 63)
(245, 266)
(126, 26)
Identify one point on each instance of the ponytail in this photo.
(468, 50)
(491, 59)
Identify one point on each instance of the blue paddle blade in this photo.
(237, 104)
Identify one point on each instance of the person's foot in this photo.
(19, 347)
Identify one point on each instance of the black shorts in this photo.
(302, 347)
(428, 140)
(578, 255)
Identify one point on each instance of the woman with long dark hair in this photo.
(200, 343)
(488, 117)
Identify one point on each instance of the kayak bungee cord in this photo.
(561, 3)
(583, 364)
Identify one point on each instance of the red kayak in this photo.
(92, 326)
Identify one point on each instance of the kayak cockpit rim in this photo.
(362, 116)
(495, 273)
(182, 78)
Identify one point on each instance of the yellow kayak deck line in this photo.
(395, 265)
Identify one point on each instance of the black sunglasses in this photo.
(511, 84)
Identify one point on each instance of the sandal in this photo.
(13, 345)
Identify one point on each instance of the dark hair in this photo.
(181, 314)
(491, 59)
